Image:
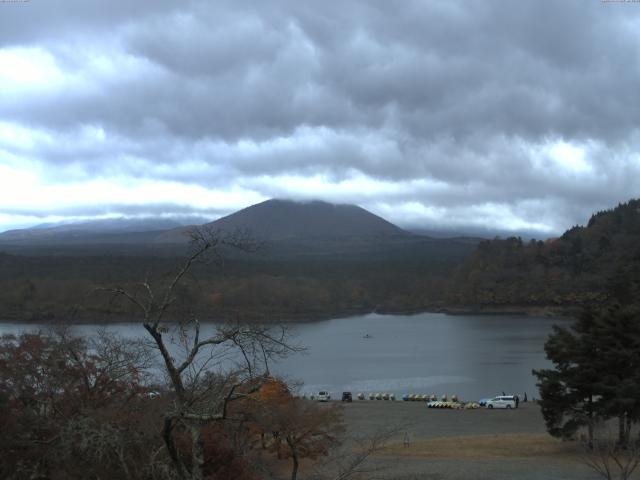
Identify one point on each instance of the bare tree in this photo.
(202, 387)
(353, 461)
(611, 460)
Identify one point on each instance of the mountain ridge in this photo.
(92, 231)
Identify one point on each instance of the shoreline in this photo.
(311, 317)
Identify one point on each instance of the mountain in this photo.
(286, 220)
(283, 219)
(286, 229)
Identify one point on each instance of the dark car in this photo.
(347, 397)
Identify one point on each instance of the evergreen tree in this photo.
(569, 393)
(618, 333)
(596, 374)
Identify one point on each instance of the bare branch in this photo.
(121, 292)
(610, 460)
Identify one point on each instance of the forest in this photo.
(586, 265)
(40, 288)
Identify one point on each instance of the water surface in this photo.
(472, 356)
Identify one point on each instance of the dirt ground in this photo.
(465, 444)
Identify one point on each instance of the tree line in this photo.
(47, 288)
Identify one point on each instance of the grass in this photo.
(485, 447)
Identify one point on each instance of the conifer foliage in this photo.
(596, 374)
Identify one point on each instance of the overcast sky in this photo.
(517, 115)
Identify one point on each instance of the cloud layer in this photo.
(508, 115)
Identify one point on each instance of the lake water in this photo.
(472, 356)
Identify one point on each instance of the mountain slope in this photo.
(285, 219)
(289, 221)
(593, 263)
(286, 230)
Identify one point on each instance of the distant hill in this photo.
(315, 229)
(126, 230)
(479, 234)
(278, 220)
(589, 263)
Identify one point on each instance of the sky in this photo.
(453, 114)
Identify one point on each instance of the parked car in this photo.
(347, 397)
(323, 397)
(502, 401)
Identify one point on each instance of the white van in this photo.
(502, 401)
(323, 396)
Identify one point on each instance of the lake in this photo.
(472, 356)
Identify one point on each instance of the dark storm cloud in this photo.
(448, 105)
(43, 22)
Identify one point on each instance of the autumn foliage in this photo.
(294, 428)
(70, 408)
(77, 408)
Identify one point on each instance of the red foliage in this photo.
(56, 391)
(222, 462)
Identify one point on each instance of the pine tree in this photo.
(570, 393)
(596, 374)
(618, 333)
